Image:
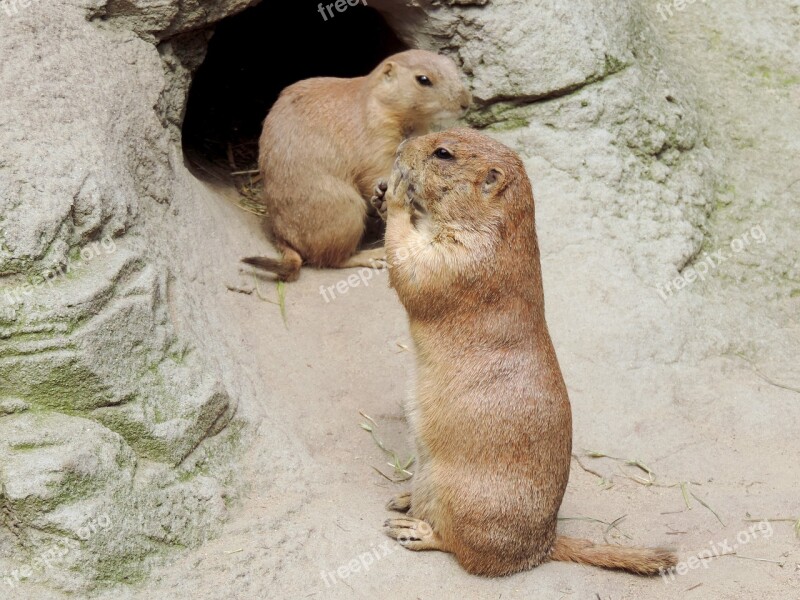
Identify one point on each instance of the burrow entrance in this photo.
(251, 58)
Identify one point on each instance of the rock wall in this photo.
(107, 414)
(118, 414)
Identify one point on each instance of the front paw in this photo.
(378, 200)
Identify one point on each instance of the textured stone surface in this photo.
(102, 402)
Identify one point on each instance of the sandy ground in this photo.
(696, 387)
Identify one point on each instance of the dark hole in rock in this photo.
(252, 57)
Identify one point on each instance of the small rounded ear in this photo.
(388, 70)
(495, 181)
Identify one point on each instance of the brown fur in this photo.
(327, 142)
(491, 417)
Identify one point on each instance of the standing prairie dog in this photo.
(326, 145)
(491, 417)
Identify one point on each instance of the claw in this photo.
(378, 200)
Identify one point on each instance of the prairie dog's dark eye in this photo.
(442, 153)
(424, 80)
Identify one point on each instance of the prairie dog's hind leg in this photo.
(374, 258)
(323, 219)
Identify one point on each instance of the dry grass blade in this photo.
(700, 500)
(371, 427)
(613, 525)
(603, 481)
(640, 480)
(382, 474)
(694, 587)
(766, 560)
(258, 291)
(628, 461)
(684, 491)
(639, 464)
(371, 421)
(282, 301)
(222, 170)
(651, 477)
(249, 198)
(795, 527)
(585, 468)
(609, 526)
(596, 454)
(400, 467)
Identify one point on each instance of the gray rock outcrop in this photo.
(107, 414)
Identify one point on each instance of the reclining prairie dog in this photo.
(491, 417)
(326, 145)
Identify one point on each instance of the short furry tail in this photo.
(642, 561)
(286, 269)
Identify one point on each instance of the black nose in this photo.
(464, 106)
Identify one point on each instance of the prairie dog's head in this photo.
(425, 87)
(456, 200)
